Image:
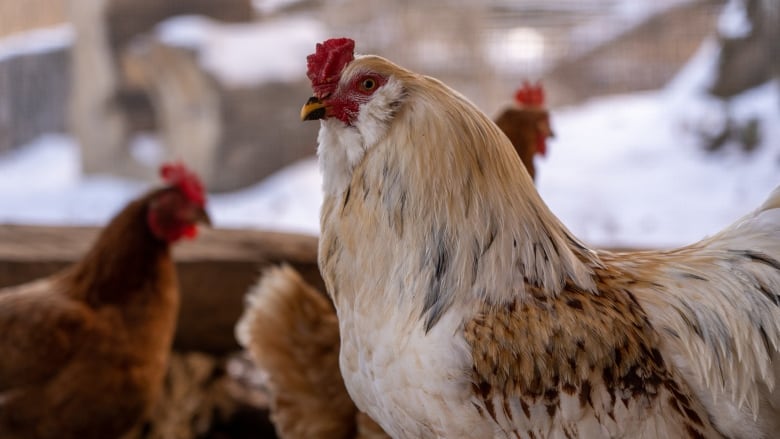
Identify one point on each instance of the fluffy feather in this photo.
(716, 302)
(467, 309)
(286, 326)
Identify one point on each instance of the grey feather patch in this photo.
(334, 245)
(346, 198)
(492, 232)
(684, 315)
(438, 298)
(393, 195)
(475, 258)
(774, 298)
(397, 215)
(765, 338)
(364, 185)
(694, 276)
(481, 247)
(759, 257)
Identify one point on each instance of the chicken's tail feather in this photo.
(773, 201)
(733, 303)
(291, 332)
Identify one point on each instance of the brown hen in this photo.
(85, 350)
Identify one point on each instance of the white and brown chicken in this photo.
(467, 309)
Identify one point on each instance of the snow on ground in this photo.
(267, 7)
(622, 171)
(288, 200)
(41, 183)
(734, 21)
(36, 41)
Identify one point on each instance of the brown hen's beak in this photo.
(313, 109)
(545, 127)
(201, 216)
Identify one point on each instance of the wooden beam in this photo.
(215, 271)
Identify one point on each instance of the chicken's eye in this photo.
(367, 84)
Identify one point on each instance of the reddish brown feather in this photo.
(325, 65)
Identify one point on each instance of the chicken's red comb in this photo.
(325, 65)
(176, 174)
(530, 95)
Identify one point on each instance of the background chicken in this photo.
(291, 329)
(527, 124)
(85, 350)
(466, 309)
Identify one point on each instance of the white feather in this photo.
(341, 147)
(715, 299)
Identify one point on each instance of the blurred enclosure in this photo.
(580, 48)
(135, 85)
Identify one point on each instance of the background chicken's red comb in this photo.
(325, 65)
(176, 174)
(530, 95)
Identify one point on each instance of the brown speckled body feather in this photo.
(580, 362)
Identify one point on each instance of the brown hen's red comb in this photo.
(325, 65)
(530, 95)
(176, 174)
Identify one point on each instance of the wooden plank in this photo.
(215, 271)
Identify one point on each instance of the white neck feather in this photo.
(341, 146)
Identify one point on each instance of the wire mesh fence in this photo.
(583, 48)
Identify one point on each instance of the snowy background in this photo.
(624, 170)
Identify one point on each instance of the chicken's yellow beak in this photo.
(313, 109)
